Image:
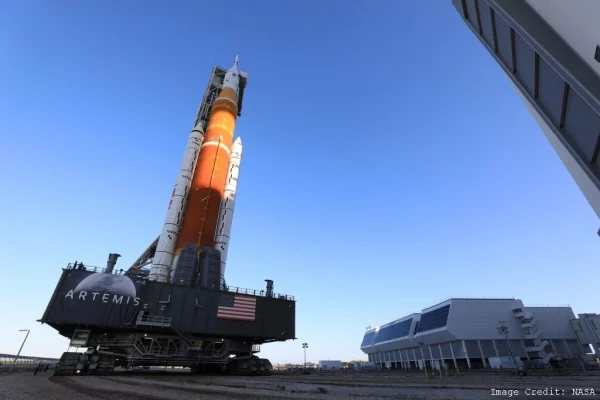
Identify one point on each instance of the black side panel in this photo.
(83, 297)
(105, 300)
(186, 269)
(210, 268)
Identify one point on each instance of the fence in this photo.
(231, 289)
(23, 362)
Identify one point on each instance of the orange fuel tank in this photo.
(208, 183)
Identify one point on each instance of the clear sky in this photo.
(388, 163)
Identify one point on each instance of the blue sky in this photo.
(388, 163)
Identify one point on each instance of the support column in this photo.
(431, 361)
(553, 348)
(495, 348)
(464, 345)
(395, 361)
(482, 355)
(415, 355)
(453, 358)
(568, 348)
(525, 350)
(442, 356)
(407, 359)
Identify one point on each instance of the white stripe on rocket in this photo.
(225, 220)
(216, 143)
(163, 258)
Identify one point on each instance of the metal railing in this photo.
(547, 305)
(89, 268)
(261, 293)
(117, 342)
(155, 320)
(23, 362)
(230, 289)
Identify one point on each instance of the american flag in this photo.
(235, 306)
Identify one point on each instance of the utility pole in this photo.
(503, 330)
(305, 346)
(21, 348)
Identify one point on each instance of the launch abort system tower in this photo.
(179, 312)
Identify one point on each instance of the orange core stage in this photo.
(208, 183)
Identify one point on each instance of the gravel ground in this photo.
(26, 386)
(180, 385)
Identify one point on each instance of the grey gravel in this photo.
(26, 386)
(183, 385)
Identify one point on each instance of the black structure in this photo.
(126, 320)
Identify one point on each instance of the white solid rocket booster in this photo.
(228, 204)
(163, 258)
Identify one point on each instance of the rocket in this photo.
(206, 192)
(227, 205)
(163, 257)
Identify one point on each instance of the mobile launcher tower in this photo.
(179, 311)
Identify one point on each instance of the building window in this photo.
(434, 319)
(368, 339)
(395, 331)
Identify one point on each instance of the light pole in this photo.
(21, 348)
(305, 346)
(503, 330)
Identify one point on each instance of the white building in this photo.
(464, 333)
(587, 330)
(550, 51)
(330, 364)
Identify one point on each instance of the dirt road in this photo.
(177, 384)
